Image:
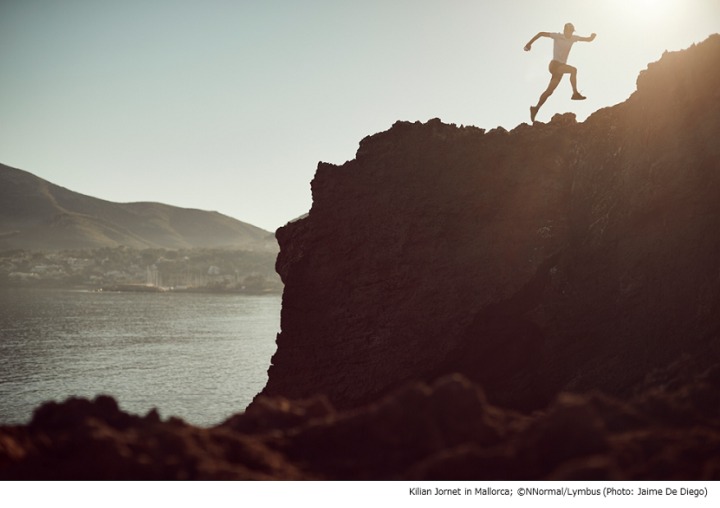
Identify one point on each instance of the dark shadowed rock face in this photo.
(557, 256)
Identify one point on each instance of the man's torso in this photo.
(562, 45)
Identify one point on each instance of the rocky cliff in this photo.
(560, 256)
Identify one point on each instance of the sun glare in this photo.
(647, 10)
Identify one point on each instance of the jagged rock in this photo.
(82, 439)
(443, 431)
(385, 438)
(278, 414)
(557, 256)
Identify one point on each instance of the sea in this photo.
(197, 356)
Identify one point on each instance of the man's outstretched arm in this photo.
(588, 39)
(539, 34)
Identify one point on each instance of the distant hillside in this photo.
(36, 214)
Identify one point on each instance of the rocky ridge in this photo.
(443, 431)
(555, 257)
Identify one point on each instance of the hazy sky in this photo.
(229, 105)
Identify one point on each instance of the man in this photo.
(558, 66)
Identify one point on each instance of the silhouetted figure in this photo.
(558, 65)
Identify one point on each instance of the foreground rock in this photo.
(442, 431)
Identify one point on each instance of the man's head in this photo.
(569, 29)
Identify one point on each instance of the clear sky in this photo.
(229, 105)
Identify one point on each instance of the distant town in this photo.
(126, 269)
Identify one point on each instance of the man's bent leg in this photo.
(573, 79)
(576, 96)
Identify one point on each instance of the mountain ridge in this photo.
(38, 214)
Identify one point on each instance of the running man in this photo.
(558, 65)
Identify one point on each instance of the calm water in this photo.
(201, 357)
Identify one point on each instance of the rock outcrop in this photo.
(446, 430)
(562, 256)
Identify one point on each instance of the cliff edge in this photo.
(562, 256)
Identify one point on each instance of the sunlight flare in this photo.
(648, 10)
